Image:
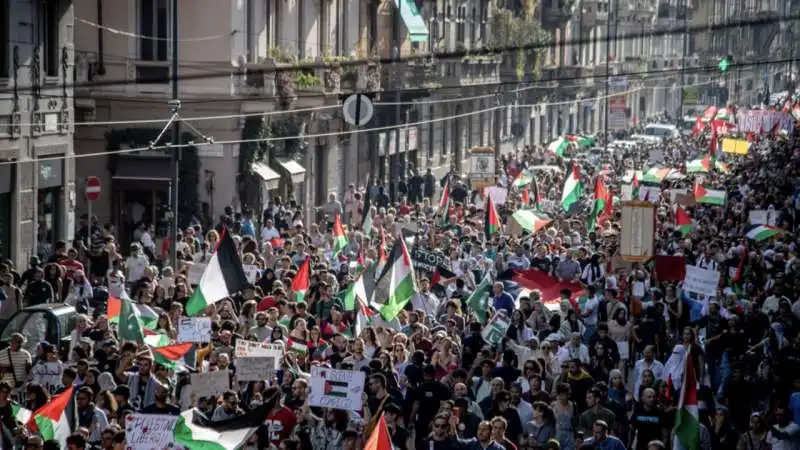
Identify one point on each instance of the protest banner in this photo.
(210, 384)
(338, 389)
(256, 368)
(701, 281)
(254, 348)
(428, 260)
(149, 431)
(637, 238)
(496, 329)
(194, 329)
(251, 272)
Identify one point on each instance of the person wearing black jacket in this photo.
(38, 291)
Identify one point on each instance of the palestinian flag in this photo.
(523, 178)
(699, 165)
(364, 318)
(297, 347)
(491, 222)
(571, 194)
(148, 319)
(581, 141)
(709, 196)
(525, 196)
(50, 421)
(559, 146)
(154, 339)
(444, 221)
(723, 114)
(722, 167)
(762, 232)
(601, 200)
(656, 175)
(444, 201)
(222, 278)
(380, 438)
(335, 388)
(710, 113)
(396, 283)
(129, 328)
(302, 281)
(683, 222)
(195, 431)
(21, 415)
(170, 356)
(339, 238)
(478, 301)
(687, 419)
(530, 221)
(366, 221)
(361, 289)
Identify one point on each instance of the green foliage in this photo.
(248, 183)
(189, 176)
(306, 80)
(524, 32)
(282, 55)
(288, 126)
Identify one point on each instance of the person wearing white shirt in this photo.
(136, 264)
(589, 314)
(524, 409)
(785, 435)
(269, 232)
(577, 350)
(648, 362)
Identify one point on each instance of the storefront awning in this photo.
(417, 31)
(295, 170)
(143, 169)
(270, 178)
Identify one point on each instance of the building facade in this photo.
(37, 168)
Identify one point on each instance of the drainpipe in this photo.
(101, 65)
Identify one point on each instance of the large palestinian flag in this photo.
(396, 284)
(223, 277)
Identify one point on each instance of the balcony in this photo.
(557, 13)
(634, 66)
(421, 74)
(638, 10)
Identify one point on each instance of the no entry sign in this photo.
(92, 188)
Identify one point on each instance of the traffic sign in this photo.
(92, 188)
(357, 109)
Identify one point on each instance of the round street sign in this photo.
(92, 188)
(357, 109)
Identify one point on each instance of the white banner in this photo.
(338, 389)
(210, 384)
(149, 431)
(253, 348)
(194, 329)
(701, 281)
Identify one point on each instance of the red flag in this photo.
(699, 126)
(549, 286)
(379, 439)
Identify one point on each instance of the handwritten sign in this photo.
(149, 431)
(256, 368)
(253, 348)
(194, 329)
(211, 384)
(338, 389)
(701, 281)
(251, 272)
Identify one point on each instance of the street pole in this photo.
(175, 105)
(397, 89)
(608, 74)
(685, 45)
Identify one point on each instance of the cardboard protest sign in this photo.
(338, 389)
(194, 329)
(256, 368)
(149, 431)
(211, 384)
(701, 281)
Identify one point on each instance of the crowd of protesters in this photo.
(568, 374)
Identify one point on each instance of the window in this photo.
(461, 31)
(5, 38)
(153, 28)
(473, 26)
(50, 18)
(251, 36)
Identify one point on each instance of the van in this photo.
(662, 131)
(51, 322)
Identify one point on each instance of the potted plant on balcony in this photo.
(285, 88)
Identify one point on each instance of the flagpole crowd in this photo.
(639, 293)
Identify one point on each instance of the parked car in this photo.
(51, 322)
